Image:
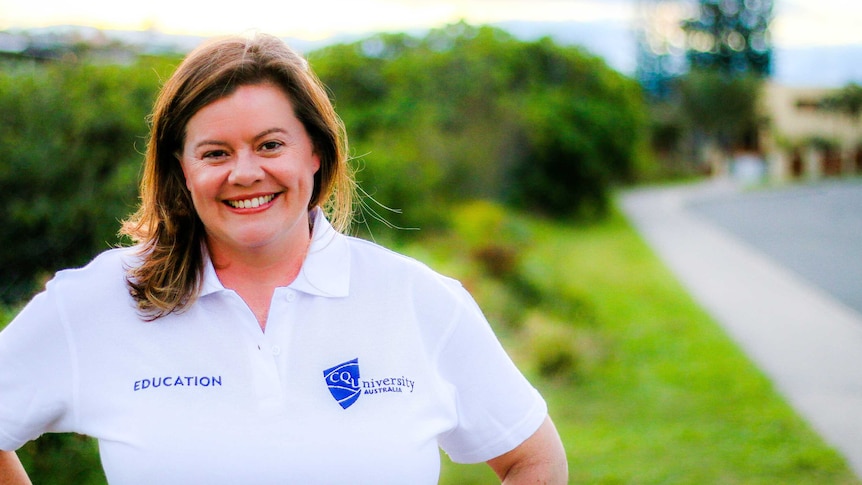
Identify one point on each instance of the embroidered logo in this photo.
(346, 387)
(343, 382)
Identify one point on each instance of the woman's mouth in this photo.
(252, 202)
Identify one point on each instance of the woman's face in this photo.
(250, 166)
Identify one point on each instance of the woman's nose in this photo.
(246, 170)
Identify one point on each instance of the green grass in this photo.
(667, 398)
(654, 392)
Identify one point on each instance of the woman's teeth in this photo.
(251, 203)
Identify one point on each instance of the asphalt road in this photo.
(814, 230)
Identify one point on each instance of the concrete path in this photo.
(805, 340)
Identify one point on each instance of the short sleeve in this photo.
(498, 409)
(36, 375)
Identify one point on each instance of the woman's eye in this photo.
(214, 154)
(270, 146)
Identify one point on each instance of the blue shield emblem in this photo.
(343, 382)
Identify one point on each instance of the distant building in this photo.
(800, 139)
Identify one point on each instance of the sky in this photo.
(309, 19)
(798, 24)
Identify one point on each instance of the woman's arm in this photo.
(541, 459)
(11, 471)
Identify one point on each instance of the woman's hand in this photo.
(11, 471)
(541, 459)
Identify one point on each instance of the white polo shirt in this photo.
(369, 362)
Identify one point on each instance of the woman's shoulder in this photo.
(108, 267)
(98, 286)
(375, 253)
(372, 259)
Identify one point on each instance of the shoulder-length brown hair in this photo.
(166, 226)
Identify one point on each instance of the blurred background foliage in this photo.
(70, 155)
(462, 113)
(472, 112)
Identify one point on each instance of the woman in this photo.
(244, 338)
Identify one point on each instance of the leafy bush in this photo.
(493, 237)
(69, 163)
(561, 350)
(63, 458)
(471, 112)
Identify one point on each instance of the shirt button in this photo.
(290, 296)
(276, 350)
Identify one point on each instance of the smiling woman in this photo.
(243, 130)
(247, 337)
(249, 166)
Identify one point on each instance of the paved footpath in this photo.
(805, 340)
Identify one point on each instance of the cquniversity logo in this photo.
(343, 382)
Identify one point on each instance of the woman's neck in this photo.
(254, 274)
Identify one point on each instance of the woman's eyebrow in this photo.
(269, 132)
(260, 135)
(209, 142)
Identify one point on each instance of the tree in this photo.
(70, 153)
(585, 129)
(848, 101)
(715, 103)
(721, 108)
(731, 36)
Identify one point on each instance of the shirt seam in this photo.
(17, 443)
(444, 341)
(481, 454)
(73, 363)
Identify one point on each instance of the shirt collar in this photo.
(325, 271)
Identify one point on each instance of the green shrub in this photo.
(560, 350)
(492, 235)
(70, 157)
(63, 459)
(472, 112)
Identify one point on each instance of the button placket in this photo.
(264, 374)
(280, 328)
(289, 297)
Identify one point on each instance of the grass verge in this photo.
(667, 397)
